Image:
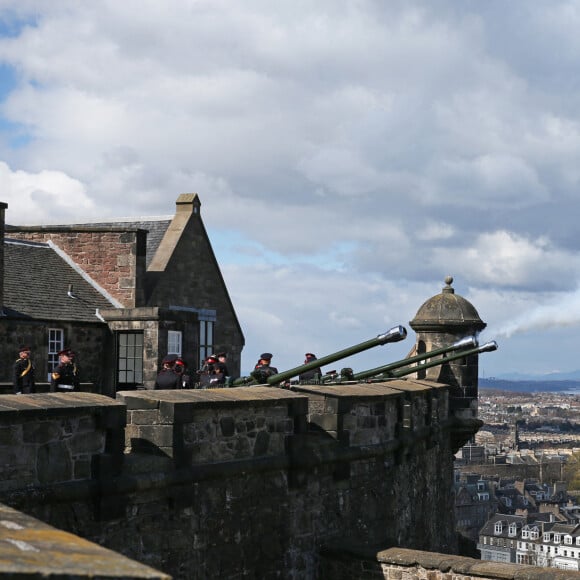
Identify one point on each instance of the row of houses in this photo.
(536, 540)
(120, 293)
(478, 497)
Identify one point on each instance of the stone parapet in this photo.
(343, 562)
(373, 413)
(52, 438)
(213, 425)
(227, 483)
(30, 548)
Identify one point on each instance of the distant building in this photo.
(537, 540)
(122, 294)
(475, 503)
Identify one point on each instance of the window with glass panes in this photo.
(55, 345)
(205, 339)
(129, 358)
(174, 342)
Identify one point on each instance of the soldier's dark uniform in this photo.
(263, 369)
(65, 376)
(167, 378)
(312, 373)
(23, 372)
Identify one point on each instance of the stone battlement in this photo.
(211, 483)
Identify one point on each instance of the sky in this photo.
(348, 154)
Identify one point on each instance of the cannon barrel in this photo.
(468, 341)
(394, 334)
(487, 347)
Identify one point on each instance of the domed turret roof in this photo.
(447, 309)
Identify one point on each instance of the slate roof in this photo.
(36, 282)
(489, 527)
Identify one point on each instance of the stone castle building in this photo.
(121, 294)
(316, 481)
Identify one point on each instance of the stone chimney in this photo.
(3, 207)
(186, 206)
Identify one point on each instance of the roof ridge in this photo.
(17, 242)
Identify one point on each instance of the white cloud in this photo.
(372, 147)
(502, 259)
(29, 195)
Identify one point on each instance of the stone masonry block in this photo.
(86, 443)
(176, 412)
(143, 417)
(40, 432)
(327, 422)
(112, 417)
(159, 435)
(135, 401)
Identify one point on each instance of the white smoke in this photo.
(563, 312)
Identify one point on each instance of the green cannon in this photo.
(401, 372)
(386, 370)
(394, 334)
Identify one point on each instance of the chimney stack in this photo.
(3, 207)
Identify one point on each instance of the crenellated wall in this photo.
(248, 482)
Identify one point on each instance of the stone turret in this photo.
(440, 321)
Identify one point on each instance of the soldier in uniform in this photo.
(222, 364)
(65, 376)
(180, 369)
(263, 368)
(211, 375)
(23, 372)
(167, 377)
(312, 373)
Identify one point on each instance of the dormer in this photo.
(557, 538)
(568, 540)
(525, 532)
(512, 530)
(498, 528)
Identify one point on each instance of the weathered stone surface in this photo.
(32, 549)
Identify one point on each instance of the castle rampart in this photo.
(248, 482)
(213, 483)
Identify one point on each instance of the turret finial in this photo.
(448, 288)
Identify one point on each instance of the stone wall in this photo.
(113, 258)
(242, 482)
(345, 563)
(55, 438)
(84, 339)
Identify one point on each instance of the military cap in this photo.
(66, 352)
(222, 354)
(23, 348)
(212, 358)
(169, 359)
(310, 355)
(266, 355)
